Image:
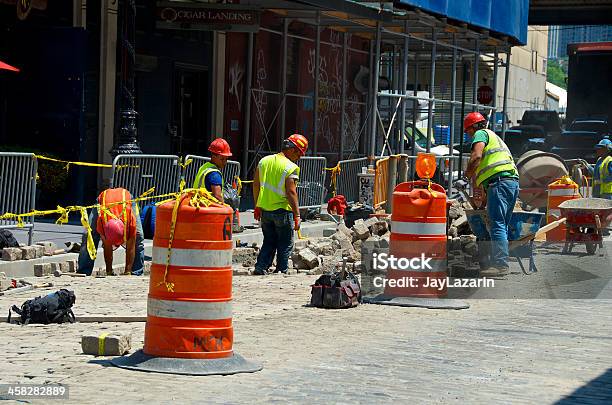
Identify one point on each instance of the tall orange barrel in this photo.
(418, 230)
(193, 319)
(560, 190)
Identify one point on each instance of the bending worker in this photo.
(492, 167)
(276, 203)
(209, 175)
(602, 171)
(117, 223)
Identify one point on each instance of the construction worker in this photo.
(276, 203)
(209, 174)
(117, 223)
(492, 167)
(602, 171)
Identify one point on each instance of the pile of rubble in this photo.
(462, 246)
(315, 256)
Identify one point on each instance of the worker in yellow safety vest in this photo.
(276, 203)
(492, 167)
(209, 174)
(602, 171)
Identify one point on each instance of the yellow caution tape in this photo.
(89, 164)
(101, 341)
(335, 171)
(240, 182)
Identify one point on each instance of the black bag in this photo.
(7, 239)
(337, 290)
(53, 308)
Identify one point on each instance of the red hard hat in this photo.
(113, 232)
(471, 119)
(220, 147)
(300, 142)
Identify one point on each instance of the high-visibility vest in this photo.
(596, 177)
(605, 177)
(496, 158)
(203, 171)
(113, 204)
(273, 171)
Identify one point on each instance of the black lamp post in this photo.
(126, 140)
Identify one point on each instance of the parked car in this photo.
(498, 121)
(539, 124)
(580, 138)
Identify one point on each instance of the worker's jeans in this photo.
(277, 228)
(501, 197)
(86, 263)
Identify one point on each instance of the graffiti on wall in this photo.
(236, 73)
(260, 97)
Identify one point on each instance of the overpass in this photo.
(566, 12)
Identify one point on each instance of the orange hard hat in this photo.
(113, 232)
(300, 142)
(471, 119)
(425, 165)
(220, 147)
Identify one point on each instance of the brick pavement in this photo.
(502, 351)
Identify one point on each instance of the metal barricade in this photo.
(381, 179)
(138, 173)
(18, 188)
(346, 181)
(311, 187)
(229, 172)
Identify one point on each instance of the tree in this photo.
(555, 74)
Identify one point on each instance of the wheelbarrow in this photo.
(523, 229)
(587, 218)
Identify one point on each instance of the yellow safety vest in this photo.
(604, 177)
(273, 171)
(496, 158)
(205, 170)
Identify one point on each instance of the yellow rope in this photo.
(68, 163)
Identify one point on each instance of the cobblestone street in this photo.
(502, 351)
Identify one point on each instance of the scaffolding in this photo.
(408, 51)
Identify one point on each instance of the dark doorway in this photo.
(190, 110)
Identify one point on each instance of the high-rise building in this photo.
(561, 35)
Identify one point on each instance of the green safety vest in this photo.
(496, 158)
(604, 177)
(204, 171)
(273, 171)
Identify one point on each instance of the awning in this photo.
(4, 66)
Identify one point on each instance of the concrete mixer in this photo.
(537, 169)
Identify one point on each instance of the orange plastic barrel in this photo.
(418, 229)
(560, 190)
(195, 319)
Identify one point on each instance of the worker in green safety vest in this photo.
(276, 203)
(492, 167)
(602, 170)
(209, 174)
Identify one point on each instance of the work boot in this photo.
(259, 272)
(495, 272)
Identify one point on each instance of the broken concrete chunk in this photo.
(146, 269)
(357, 245)
(12, 254)
(379, 228)
(360, 231)
(39, 251)
(370, 221)
(300, 244)
(327, 232)
(73, 266)
(309, 258)
(109, 345)
(342, 228)
(42, 269)
(372, 242)
(241, 254)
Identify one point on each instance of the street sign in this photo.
(485, 94)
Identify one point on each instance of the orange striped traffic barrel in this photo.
(418, 231)
(560, 190)
(193, 318)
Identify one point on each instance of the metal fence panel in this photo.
(138, 173)
(311, 187)
(18, 188)
(229, 172)
(346, 181)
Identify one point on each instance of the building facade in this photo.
(561, 35)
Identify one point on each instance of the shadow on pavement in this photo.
(597, 391)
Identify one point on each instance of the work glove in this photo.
(296, 223)
(257, 214)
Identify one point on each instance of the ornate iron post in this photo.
(126, 140)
